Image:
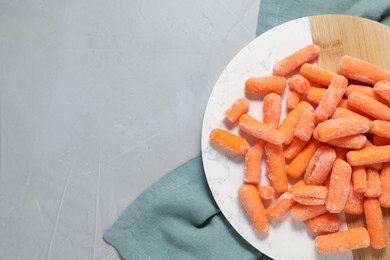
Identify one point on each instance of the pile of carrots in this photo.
(323, 145)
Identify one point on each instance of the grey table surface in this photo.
(99, 99)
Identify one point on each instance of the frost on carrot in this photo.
(229, 141)
(237, 109)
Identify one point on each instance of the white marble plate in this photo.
(286, 239)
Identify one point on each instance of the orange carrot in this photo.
(253, 159)
(298, 83)
(304, 212)
(340, 127)
(332, 98)
(373, 184)
(339, 186)
(368, 91)
(298, 166)
(369, 155)
(341, 153)
(375, 166)
(251, 201)
(379, 141)
(272, 109)
(344, 104)
(295, 60)
(259, 130)
(354, 203)
(290, 122)
(316, 74)
(359, 179)
(380, 128)
(265, 85)
(341, 112)
(382, 88)
(266, 192)
(320, 165)
(315, 95)
(375, 223)
(306, 125)
(351, 239)
(237, 109)
(229, 141)
(327, 222)
(294, 148)
(360, 70)
(310, 195)
(349, 142)
(369, 106)
(293, 99)
(384, 198)
(276, 167)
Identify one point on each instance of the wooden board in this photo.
(338, 35)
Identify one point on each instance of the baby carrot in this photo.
(369, 155)
(332, 98)
(296, 59)
(276, 167)
(298, 83)
(253, 159)
(306, 125)
(380, 128)
(359, 179)
(351, 239)
(368, 91)
(293, 99)
(341, 112)
(298, 166)
(272, 109)
(382, 88)
(259, 130)
(320, 165)
(304, 212)
(294, 148)
(251, 201)
(354, 203)
(265, 85)
(290, 122)
(315, 95)
(344, 104)
(384, 198)
(379, 140)
(375, 223)
(341, 153)
(349, 142)
(284, 203)
(316, 74)
(339, 186)
(340, 127)
(266, 192)
(229, 141)
(375, 166)
(310, 195)
(361, 70)
(373, 184)
(237, 109)
(369, 106)
(327, 222)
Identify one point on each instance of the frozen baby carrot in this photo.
(384, 198)
(369, 106)
(368, 91)
(266, 192)
(284, 203)
(327, 222)
(259, 130)
(354, 203)
(296, 59)
(304, 212)
(298, 166)
(359, 179)
(344, 104)
(315, 95)
(276, 167)
(293, 99)
(272, 109)
(382, 88)
(316, 74)
(237, 109)
(373, 184)
(341, 112)
(349, 142)
(375, 223)
(340, 127)
(380, 128)
(379, 140)
(320, 165)
(369, 155)
(290, 122)
(298, 83)
(253, 159)
(375, 166)
(251, 201)
(332, 98)
(294, 148)
(339, 186)
(360, 70)
(306, 125)
(310, 195)
(265, 85)
(351, 239)
(229, 141)
(341, 153)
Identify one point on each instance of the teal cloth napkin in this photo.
(177, 217)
